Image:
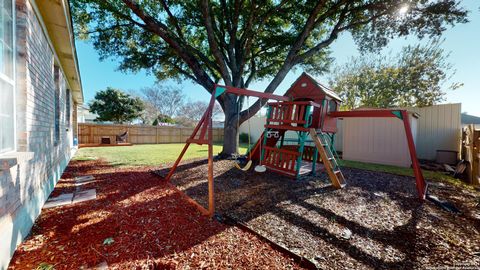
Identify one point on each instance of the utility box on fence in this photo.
(378, 140)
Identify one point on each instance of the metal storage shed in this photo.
(378, 140)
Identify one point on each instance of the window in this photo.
(332, 105)
(67, 106)
(56, 74)
(7, 78)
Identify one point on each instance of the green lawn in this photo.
(157, 154)
(146, 154)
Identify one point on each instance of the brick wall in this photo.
(40, 160)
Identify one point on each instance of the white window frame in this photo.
(12, 81)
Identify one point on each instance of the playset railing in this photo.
(290, 112)
(281, 159)
(308, 152)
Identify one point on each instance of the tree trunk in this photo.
(230, 130)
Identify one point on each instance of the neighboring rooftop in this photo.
(470, 119)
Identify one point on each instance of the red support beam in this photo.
(421, 185)
(311, 103)
(252, 93)
(205, 125)
(403, 115)
(363, 113)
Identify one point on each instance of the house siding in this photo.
(25, 187)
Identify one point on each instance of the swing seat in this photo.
(246, 168)
(260, 168)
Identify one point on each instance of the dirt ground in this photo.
(137, 222)
(390, 228)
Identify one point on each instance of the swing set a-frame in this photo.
(294, 112)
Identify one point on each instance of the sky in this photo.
(462, 41)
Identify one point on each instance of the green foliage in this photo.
(108, 241)
(166, 119)
(255, 40)
(414, 77)
(161, 118)
(243, 137)
(114, 105)
(45, 266)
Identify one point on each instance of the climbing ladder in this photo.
(329, 161)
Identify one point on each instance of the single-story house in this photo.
(39, 93)
(85, 116)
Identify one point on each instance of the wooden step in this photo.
(341, 178)
(331, 165)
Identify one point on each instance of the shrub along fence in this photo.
(89, 133)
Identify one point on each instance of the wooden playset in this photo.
(308, 109)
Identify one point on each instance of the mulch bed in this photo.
(391, 228)
(137, 222)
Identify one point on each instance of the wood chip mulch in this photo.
(376, 222)
(137, 222)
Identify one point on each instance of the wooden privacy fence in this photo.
(471, 153)
(92, 133)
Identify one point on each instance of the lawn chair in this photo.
(122, 138)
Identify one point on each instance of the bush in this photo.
(243, 137)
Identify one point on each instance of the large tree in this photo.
(116, 106)
(416, 76)
(237, 42)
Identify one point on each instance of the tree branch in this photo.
(117, 12)
(253, 71)
(99, 30)
(161, 30)
(307, 28)
(334, 34)
(173, 19)
(213, 43)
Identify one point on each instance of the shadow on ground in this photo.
(391, 228)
